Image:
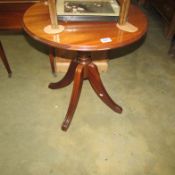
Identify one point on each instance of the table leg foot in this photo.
(97, 85)
(78, 81)
(67, 79)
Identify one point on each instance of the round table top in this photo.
(83, 36)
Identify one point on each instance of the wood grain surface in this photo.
(83, 36)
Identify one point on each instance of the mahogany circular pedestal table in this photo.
(85, 38)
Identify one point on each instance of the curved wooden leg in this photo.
(67, 79)
(4, 60)
(97, 85)
(51, 58)
(78, 81)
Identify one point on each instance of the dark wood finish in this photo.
(78, 81)
(86, 39)
(83, 36)
(79, 70)
(11, 13)
(96, 83)
(140, 2)
(4, 60)
(167, 11)
(170, 29)
(68, 78)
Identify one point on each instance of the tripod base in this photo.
(83, 69)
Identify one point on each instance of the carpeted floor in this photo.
(140, 141)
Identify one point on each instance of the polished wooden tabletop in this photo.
(83, 36)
